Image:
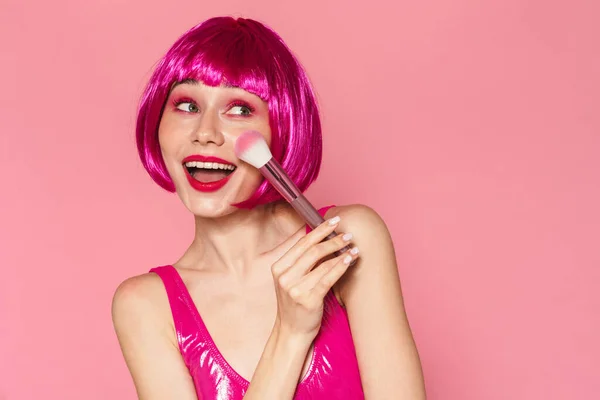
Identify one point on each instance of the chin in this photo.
(209, 209)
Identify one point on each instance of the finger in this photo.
(290, 242)
(310, 281)
(330, 277)
(304, 243)
(315, 254)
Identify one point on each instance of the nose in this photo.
(208, 130)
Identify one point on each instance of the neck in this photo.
(234, 241)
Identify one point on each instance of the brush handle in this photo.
(313, 218)
(275, 174)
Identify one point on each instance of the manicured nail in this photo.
(347, 237)
(354, 251)
(334, 221)
(347, 259)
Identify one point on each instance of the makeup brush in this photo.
(252, 148)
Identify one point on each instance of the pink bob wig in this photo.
(245, 54)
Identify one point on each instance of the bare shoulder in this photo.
(140, 297)
(145, 331)
(372, 294)
(356, 213)
(137, 291)
(363, 222)
(377, 256)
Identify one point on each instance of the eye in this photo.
(241, 109)
(187, 107)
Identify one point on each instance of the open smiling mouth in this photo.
(208, 176)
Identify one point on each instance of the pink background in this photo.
(472, 127)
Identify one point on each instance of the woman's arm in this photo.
(147, 342)
(278, 371)
(301, 283)
(388, 359)
(156, 365)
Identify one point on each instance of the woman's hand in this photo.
(302, 279)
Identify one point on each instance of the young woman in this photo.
(257, 307)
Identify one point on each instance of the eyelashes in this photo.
(236, 107)
(242, 105)
(180, 105)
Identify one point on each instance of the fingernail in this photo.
(347, 260)
(334, 221)
(347, 237)
(354, 251)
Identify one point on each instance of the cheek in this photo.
(266, 133)
(251, 180)
(169, 151)
(163, 130)
(162, 137)
(168, 140)
(251, 174)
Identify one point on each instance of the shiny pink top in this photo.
(333, 372)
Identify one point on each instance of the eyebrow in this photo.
(188, 81)
(192, 81)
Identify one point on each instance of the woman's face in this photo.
(197, 134)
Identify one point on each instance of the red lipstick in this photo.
(206, 186)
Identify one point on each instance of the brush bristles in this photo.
(251, 147)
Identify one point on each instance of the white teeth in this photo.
(209, 165)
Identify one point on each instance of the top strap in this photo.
(185, 314)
